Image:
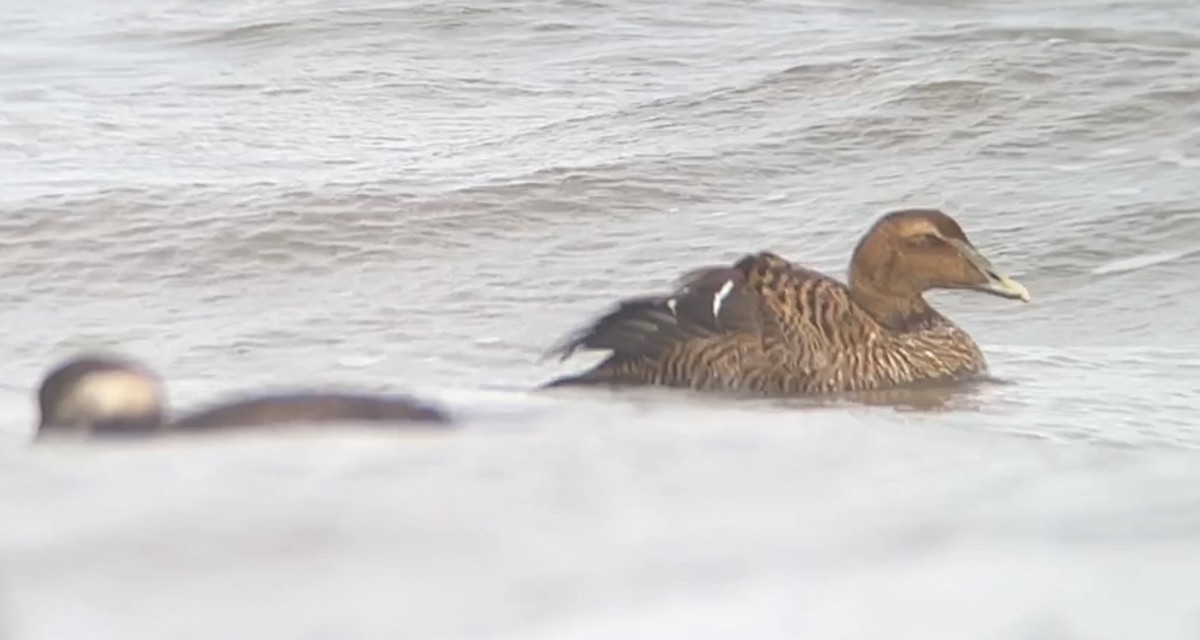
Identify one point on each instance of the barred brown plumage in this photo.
(767, 326)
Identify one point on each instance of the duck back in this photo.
(311, 407)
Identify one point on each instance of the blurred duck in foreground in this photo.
(100, 394)
(766, 326)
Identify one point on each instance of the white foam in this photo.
(1133, 263)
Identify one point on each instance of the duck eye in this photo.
(928, 238)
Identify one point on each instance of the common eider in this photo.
(105, 394)
(764, 325)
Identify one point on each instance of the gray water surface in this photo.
(425, 196)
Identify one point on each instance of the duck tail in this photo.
(641, 326)
(708, 302)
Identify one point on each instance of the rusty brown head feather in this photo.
(766, 325)
(906, 253)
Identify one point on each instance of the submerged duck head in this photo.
(100, 392)
(906, 253)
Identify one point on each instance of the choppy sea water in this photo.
(425, 196)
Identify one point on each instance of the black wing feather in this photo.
(707, 302)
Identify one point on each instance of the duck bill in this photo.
(997, 283)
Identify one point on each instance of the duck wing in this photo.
(810, 315)
(759, 324)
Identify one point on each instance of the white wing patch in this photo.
(720, 298)
(671, 304)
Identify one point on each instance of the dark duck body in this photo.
(102, 394)
(766, 326)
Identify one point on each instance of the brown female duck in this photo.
(102, 394)
(767, 326)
